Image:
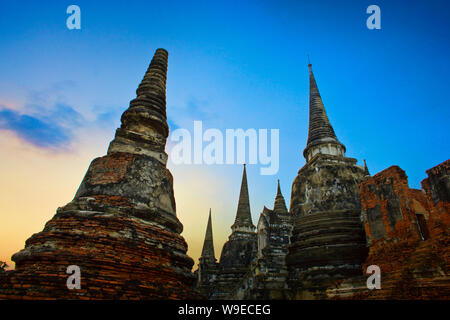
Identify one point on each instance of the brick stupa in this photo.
(121, 228)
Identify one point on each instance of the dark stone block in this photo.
(376, 224)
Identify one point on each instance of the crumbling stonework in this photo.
(343, 221)
(240, 249)
(327, 242)
(267, 275)
(207, 267)
(121, 228)
(408, 234)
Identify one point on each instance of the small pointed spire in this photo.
(151, 93)
(320, 130)
(208, 244)
(243, 214)
(366, 170)
(279, 206)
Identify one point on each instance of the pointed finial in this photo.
(366, 170)
(243, 215)
(309, 66)
(208, 246)
(279, 207)
(320, 131)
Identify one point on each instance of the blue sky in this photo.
(236, 64)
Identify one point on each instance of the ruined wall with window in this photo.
(407, 233)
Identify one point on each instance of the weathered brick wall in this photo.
(119, 257)
(413, 255)
(121, 228)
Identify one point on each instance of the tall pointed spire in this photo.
(320, 130)
(208, 244)
(125, 201)
(144, 126)
(243, 221)
(279, 206)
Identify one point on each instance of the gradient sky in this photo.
(232, 64)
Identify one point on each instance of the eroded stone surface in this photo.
(408, 236)
(208, 266)
(240, 249)
(267, 275)
(121, 228)
(328, 242)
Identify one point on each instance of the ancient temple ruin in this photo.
(408, 234)
(268, 274)
(122, 231)
(341, 221)
(208, 266)
(240, 249)
(328, 241)
(121, 228)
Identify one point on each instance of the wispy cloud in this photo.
(48, 130)
(47, 119)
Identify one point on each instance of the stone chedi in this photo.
(240, 249)
(341, 221)
(121, 228)
(268, 272)
(274, 231)
(328, 241)
(208, 266)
